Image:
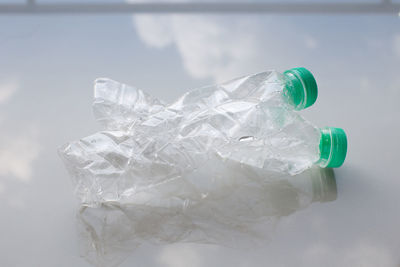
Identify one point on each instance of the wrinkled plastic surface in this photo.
(150, 148)
(210, 167)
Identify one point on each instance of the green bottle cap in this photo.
(332, 147)
(301, 88)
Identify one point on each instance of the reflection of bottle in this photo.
(244, 206)
(315, 185)
(324, 186)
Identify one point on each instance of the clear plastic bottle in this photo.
(219, 165)
(252, 120)
(118, 106)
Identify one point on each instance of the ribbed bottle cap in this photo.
(332, 147)
(301, 87)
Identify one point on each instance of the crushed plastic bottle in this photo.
(155, 153)
(219, 165)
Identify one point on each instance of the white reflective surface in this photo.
(47, 68)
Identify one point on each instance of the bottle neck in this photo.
(325, 147)
(293, 92)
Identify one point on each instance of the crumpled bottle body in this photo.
(152, 152)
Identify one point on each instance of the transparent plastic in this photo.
(215, 166)
(148, 143)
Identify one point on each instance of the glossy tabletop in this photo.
(47, 67)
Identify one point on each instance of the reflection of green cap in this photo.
(332, 147)
(301, 87)
(323, 184)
